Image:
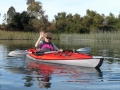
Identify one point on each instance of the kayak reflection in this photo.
(42, 74)
(45, 72)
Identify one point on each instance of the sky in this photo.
(53, 7)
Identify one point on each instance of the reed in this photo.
(99, 37)
(16, 35)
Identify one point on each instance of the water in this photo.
(17, 73)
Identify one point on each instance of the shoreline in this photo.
(96, 37)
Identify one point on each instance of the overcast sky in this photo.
(52, 7)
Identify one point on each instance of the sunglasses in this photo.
(49, 38)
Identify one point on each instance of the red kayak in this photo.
(66, 57)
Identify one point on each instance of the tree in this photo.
(69, 23)
(40, 21)
(11, 11)
(20, 21)
(52, 27)
(90, 13)
(35, 9)
(87, 21)
(117, 25)
(76, 25)
(30, 2)
(16, 22)
(60, 20)
(98, 19)
(25, 20)
(111, 19)
(5, 18)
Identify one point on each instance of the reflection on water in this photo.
(45, 72)
(19, 73)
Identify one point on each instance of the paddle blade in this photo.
(84, 50)
(18, 53)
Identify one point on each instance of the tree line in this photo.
(34, 19)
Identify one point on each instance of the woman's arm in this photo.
(39, 39)
(55, 48)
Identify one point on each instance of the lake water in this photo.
(17, 73)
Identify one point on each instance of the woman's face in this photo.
(48, 38)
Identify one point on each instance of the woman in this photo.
(45, 44)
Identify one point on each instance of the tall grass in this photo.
(100, 37)
(10, 35)
(15, 35)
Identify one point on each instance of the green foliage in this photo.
(31, 20)
(10, 14)
(19, 21)
(40, 21)
(34, 19)
(30, 2)
(35, 9)
(91, 22)
(71, 24)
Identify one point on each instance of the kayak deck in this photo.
(61, 56)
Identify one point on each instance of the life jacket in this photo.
(47, 46)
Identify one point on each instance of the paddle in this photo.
(21, 53)
(84, 50)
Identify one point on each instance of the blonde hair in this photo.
(47, 34)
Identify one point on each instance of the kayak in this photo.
(66, 57)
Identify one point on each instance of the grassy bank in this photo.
(13, 35)
(10, 35)
(100, 37)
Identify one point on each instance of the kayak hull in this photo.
(95, 62)
(66, 57)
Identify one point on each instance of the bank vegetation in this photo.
(27, 24)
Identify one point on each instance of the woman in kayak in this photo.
(45, 44)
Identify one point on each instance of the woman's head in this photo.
(47, 36)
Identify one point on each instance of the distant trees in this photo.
(20, 21)
(34, 19)
(30, 2)
(91, 22)
(11, 11)
(40, 21)
(31, 20)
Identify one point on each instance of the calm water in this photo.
(22, 74)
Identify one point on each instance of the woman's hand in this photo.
(40, 37)
(60, 50)
(42, 34)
